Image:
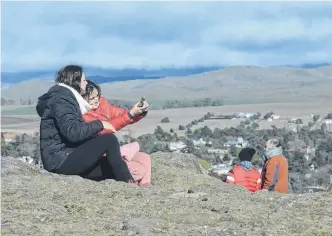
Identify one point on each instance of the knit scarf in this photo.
(84, 105)
(246, 165)
(274, 151)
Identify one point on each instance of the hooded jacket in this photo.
(62, 127)
(249, 178)
(275, 174)
(245, 174)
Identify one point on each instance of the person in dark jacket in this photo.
(68, 144)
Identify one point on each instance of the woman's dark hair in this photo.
(90, 86)
(70, 75)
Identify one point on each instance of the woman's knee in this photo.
(110, 139)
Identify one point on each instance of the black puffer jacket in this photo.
(62, 128)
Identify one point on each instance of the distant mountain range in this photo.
(99, 75)
(105, 75)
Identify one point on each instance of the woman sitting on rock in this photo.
(245, 174)
(139, 163)
(68, 144)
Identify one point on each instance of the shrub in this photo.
(206, 165)
(165, 120)
(181, 127)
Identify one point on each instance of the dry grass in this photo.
(30, 123)
(38, 203)
(184, 116)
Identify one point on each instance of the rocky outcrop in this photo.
(182, 201)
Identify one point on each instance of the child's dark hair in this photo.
(90, 86)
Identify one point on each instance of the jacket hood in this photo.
(246, 165)
(46, 100)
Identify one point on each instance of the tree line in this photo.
(168, 104)
(23, 145)
(9, 102)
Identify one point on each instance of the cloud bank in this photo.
(37, 35)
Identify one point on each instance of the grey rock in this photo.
(182, 201)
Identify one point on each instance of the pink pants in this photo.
(140, 168)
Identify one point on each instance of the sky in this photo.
(150, 35)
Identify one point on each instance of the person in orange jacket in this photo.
(139, 163)
(275, 170)
(245, 174)
(101, 109)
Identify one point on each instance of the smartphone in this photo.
(144, 112)
(141, 103)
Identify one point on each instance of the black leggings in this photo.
(88, 161)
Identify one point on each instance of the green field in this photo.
(19, 111)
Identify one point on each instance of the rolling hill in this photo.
(241, 83)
